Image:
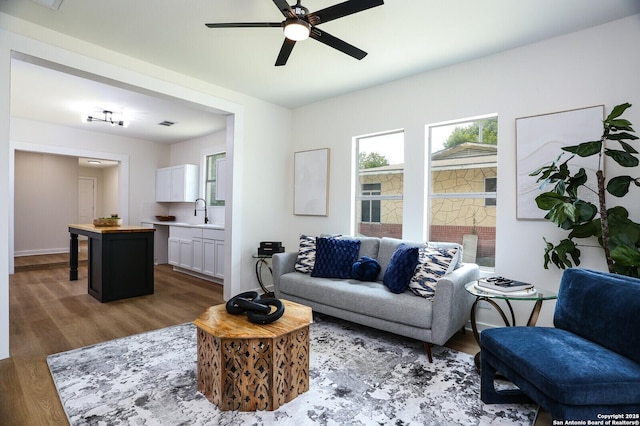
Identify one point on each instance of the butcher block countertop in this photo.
(109, 229)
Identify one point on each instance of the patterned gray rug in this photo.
(358, 376)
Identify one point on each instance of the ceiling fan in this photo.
(299, 25)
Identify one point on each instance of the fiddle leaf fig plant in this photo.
(616, 233)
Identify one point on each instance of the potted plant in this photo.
(616, 233)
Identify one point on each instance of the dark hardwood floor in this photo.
(50, 314)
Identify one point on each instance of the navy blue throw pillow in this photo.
(400, 268)
(334, 257)
(365, 269)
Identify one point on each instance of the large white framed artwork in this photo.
(311, 182)
(539, 141)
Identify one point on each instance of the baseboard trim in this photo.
(23, 253)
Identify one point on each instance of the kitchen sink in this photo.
(209, 225)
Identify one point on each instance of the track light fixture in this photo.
(108, 118)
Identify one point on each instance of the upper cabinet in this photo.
(177, 183)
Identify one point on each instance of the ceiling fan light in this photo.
(296, 29)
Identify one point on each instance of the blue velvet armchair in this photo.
(587, 367)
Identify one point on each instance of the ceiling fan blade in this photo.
(246, 25)
(336, 43)
(285, 51)
(342, 9)
(284, 8)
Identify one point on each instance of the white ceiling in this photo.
(402, 37)
(39, 92)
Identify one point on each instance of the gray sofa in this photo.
(372, 304)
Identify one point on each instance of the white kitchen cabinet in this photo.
(177, 183)
(198, 255)
(186, 257)
(197, 249)
(209, 257)
(213, 252)
(180, 247)
(219, 259)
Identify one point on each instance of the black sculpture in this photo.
(258, 309)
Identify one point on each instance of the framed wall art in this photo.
(539, 141)
(311, 182)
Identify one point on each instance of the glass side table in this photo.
(260, 263)
(537, 295)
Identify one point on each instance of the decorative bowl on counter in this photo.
(165, 218)
(107, 221)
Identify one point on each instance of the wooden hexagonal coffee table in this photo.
(247, 367)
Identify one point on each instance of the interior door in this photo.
(86, 199)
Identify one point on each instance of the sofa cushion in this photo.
(433, 264)
(368, 246)
(335, 257)
(364, 297)
(306, 254)
(570, 369)
(388, 246)
(601, 307)
(400, 268)
(365, 269)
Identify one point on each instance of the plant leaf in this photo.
(586, 230)
(621, 136)
(626, 255)
(620, 124)
(619, 185)
(585, 211)
(585, 149)
(547, 200)
(575, 182)
(617, 111)
(564, 248)
(623, 158)
(628, 148)
(563, 214)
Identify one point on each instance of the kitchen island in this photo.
(120, 260)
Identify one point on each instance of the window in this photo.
(463, 171)
(214, 177)
(490, 185)
(379, 185)
(370, 207)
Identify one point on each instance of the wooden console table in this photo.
(247, 367)
(120, 260)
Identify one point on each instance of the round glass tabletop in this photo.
(536, 293)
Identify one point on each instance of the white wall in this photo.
(597, 66)
(143, 157)
(46, 201)
(193, 152)
(110, 192)
(256, 127)
(107, 202)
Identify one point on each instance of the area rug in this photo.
(357, 376)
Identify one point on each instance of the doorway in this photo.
(86, 199)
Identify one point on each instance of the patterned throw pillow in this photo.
(334, 257)
(306, 254)
(433, 264)
(400, 268)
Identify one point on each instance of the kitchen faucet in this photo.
(195, 211)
